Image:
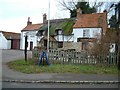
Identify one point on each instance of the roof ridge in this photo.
(10, 32)
(58, 20)
(32, 27)
(92, 13)
(36, 24)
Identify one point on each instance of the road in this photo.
(56, 85)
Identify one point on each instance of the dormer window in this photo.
(42, 33)
(59, 31)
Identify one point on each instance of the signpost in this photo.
(26, 45)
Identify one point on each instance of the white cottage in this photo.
(89, 27)
(30, 30)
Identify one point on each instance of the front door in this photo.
(31, 45)
(45, 43)
(84, 45)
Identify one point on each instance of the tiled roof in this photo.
(32, 27)
(11, 35)
(92, 20)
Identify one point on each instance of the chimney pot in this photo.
(28, 22)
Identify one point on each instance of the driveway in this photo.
(10, 55)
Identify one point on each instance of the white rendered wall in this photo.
(62, 38)
(8, 44)
(94, 33)
(3, 41)
(31, 38)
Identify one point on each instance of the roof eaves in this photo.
(30, 30)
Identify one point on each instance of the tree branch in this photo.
(63, 3)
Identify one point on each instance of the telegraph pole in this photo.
(48, 27)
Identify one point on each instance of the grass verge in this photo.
(30, 67)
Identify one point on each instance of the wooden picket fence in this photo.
(74, 57)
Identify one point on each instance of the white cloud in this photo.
(13, 25)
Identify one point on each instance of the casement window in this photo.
(86, 33)
(59, 32)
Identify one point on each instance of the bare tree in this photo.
(72, 5)
(98, 5)
(108, 6)
(68, 4)
(103, 46)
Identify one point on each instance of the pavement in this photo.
(9, 75)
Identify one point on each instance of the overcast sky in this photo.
(14, 13)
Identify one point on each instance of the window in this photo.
(42, 33)
(86, 33)
(78, 39)
(32, 36)
(59, 31)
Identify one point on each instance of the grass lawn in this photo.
(30, 67)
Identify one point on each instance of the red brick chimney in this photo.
(28, 22)
(79, 12)
(105, 21)
(44, 17)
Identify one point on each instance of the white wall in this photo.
(64, 38)
(94, 32)
(31, 38)
(3, 41)
(8, 44)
